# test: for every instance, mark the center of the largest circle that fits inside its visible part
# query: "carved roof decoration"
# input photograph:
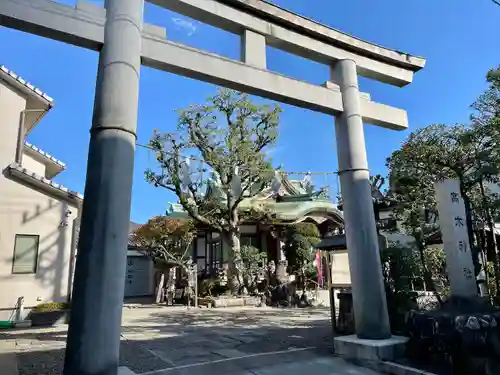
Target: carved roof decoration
(297, 200)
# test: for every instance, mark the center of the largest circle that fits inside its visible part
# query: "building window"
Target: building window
(25, 254)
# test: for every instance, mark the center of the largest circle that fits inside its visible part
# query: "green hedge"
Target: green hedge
(51, 306)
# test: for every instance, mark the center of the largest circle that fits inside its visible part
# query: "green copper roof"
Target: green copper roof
(295, 202)
(290, 212)
(293, 211)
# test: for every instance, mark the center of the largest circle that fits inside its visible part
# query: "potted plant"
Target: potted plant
(49, 314)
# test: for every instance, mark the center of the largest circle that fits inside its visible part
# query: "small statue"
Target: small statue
(271, 267)
(281, 273)
(222, 275)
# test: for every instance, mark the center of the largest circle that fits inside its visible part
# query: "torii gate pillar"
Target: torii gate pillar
(369, 300)
(96, 310)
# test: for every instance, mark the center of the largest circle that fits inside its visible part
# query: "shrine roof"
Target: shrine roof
(289, 212)
(294, 201)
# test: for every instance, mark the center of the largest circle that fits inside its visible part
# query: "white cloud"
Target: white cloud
(186, 25)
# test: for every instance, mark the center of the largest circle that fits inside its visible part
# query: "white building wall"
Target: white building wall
(25, 211)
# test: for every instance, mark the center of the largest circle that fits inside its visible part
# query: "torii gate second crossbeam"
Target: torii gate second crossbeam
(124, 43)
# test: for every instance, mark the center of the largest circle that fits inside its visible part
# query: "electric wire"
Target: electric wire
(194, 158)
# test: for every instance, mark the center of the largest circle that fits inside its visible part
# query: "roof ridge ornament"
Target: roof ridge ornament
(186, 173)
(276, 183)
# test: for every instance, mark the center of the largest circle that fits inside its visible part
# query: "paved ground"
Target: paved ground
(176, 341)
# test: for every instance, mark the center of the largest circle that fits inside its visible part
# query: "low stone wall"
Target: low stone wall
(462, 336)
(235, 301)
(49, 318)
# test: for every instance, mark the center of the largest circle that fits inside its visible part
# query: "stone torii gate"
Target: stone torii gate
(124, 43)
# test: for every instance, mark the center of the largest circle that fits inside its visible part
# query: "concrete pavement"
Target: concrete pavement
(8, 359)
(177, 341)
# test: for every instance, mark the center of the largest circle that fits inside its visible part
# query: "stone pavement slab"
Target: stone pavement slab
(321, 366)
(297, 363)
(125, 371)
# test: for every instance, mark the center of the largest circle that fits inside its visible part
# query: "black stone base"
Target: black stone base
(285, 295)
(462, 336)
(49, 318)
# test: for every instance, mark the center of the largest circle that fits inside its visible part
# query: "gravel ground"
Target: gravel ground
(158, 338)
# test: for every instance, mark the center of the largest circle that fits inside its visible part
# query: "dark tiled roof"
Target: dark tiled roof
(35, 90)
(133, 227)
(45, 181)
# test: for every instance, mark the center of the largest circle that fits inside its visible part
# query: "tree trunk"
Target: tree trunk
(159, 290)
(429, 281)
(481, 240)
(235, 262)
(468, 215)
(421, 244)
(303, 276)
(470, 228)
(493, 241)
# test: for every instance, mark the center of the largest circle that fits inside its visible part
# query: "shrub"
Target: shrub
(404, 274)
(211, 286)
(254, 262)
(400, 267)
(299, 247)
(51, 306)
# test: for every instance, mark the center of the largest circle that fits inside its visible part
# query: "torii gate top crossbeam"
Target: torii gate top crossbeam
(327, 34)
(300, 36)
(83, 26)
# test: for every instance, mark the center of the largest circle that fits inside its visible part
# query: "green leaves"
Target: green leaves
(253, 259)
(165, 240)
(466, 152)
(228, 131)
(299, 242)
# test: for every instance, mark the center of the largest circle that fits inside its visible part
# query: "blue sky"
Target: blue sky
(459, 39)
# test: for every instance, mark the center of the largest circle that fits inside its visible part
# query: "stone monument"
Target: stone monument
(452, 221)
(462, 333)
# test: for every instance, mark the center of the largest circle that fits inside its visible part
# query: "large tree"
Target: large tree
(487, 106)
(468, 153)
(428, 154)
(486, 122)
(434, 152)
(229, 137)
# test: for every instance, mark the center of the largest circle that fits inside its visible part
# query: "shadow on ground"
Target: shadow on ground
(154, 339)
